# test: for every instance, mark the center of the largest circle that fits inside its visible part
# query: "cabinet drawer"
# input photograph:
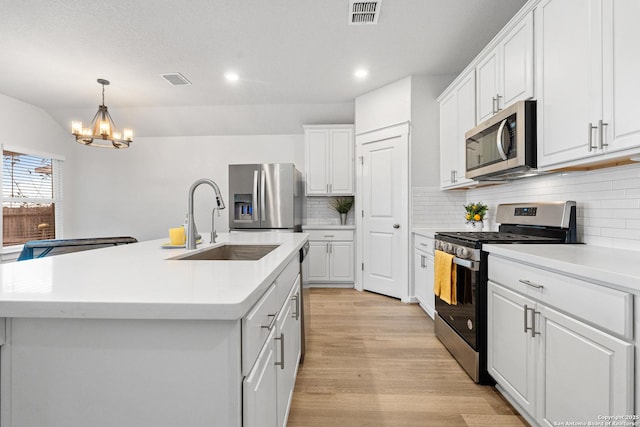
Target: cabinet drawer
(255, 327)
(601, 306)
(286, 280)
(330, 235)
(423, 243)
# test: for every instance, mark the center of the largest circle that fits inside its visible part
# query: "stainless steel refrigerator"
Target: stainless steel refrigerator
(265, 196)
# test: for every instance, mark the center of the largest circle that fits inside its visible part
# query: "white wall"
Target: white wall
(143, 191)
(386, 106)
(425, 129)
(412, 99)
(24, 125)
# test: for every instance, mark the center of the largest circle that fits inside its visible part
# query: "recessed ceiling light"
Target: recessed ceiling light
(361, 73)
(231, 76)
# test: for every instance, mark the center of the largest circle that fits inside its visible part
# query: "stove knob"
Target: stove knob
(464, 253)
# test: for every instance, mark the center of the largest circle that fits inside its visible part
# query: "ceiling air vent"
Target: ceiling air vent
(364, 12)
(176, 79)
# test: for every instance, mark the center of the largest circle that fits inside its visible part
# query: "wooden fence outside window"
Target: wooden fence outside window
(21, 224)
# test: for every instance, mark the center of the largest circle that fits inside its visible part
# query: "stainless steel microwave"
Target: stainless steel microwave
(503, 146)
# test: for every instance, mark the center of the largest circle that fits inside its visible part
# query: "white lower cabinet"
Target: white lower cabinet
(585, 372)
(288, 351)
(511, 355)
(423, 269)
(331, 257)
(268, 387)
(553, 365)
(259, 392)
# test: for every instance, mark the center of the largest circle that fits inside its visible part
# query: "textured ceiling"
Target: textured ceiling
(285, 51)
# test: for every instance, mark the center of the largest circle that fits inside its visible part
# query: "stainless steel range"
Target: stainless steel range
(462, 327)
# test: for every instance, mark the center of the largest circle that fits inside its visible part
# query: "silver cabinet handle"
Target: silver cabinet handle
(328, 235)
(526, 321)
(396, 225)
(533, 285)
(455, 178)
(591, 128)
(498, 96)
(601, 126)
(281, 362)
(271, 324)
(330, 248)
(533, 323)
(493, 105)
(327, 249)
(296, 315)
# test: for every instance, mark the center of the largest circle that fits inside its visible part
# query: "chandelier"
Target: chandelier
(102, 131)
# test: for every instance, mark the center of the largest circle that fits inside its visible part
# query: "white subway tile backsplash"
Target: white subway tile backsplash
(608, 203)
(435, 208)
(318, 211)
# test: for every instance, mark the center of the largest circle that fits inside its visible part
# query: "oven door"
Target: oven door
(462, 317)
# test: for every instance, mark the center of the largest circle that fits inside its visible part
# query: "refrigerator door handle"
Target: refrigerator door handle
(255, 195)
(262, 196)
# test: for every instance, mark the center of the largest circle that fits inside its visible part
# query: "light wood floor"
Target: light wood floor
(374, 361)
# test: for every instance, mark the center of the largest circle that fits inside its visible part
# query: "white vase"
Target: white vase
(475, 225)
(343, 219)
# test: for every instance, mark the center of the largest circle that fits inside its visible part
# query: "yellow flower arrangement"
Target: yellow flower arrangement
(475, 211)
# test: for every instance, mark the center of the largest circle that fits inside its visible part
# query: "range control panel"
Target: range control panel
(532, 211)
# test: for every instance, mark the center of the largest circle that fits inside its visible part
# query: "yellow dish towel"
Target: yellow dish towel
(444, 284)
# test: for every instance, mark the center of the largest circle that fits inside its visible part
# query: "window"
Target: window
(31, 196)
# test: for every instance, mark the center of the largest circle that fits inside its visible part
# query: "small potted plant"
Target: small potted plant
(342, 205)
(475, 215)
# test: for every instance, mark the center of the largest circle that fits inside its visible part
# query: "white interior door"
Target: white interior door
(385, 183)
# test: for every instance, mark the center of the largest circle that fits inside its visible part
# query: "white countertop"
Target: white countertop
(617, 268)
(430, 232)
(137, 281)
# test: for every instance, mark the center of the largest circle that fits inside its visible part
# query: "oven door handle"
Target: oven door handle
(466, 263)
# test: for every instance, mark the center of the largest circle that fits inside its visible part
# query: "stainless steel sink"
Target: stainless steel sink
(230, 253)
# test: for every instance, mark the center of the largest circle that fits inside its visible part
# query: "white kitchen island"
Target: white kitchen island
(124, 336)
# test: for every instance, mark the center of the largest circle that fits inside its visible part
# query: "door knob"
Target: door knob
(396, 225)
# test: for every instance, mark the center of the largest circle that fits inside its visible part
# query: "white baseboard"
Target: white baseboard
(331, 285)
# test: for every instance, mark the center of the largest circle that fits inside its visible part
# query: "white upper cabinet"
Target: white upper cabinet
(329, 160)
(621, 61)
(457, 116)
(587, 88)
(569, 92)
(505, 74)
